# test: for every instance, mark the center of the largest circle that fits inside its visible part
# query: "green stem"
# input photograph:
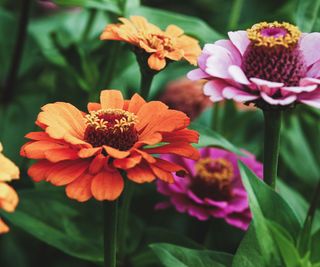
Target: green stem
(123, 221)
(272, 128)
(90, 22)
(10, 82)
(145, 84)
(110, 233)
(215, 124)
(235, 13)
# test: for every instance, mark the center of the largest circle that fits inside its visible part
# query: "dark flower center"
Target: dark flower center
(111, 127)
(213, 179)
(274, 54)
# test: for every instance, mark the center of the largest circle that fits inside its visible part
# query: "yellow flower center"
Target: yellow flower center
(274, 34)
(112, 127)
(215, 171)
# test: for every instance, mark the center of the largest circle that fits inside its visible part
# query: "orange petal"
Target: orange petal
(107, 185)
(65, 172)
(93, 106)
(89, 152)
(3, 227)
(156, 63)
(184, 135)
(60, 154)
(80, 189)
(98, 163)
(181, 149)
(169, 166)
(38, 136)
(150, 139)
(115, 153)
(8, 198)
(162, 174)
(149, 158)
(63, 121)
(8, 170)
(127, 163)
(39, 170)
(136, 103)
(174, 30)
(37, 149)
(141, 174)
(111, 99)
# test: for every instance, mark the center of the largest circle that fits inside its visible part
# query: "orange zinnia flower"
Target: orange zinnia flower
(171, 43)
(86, 152)
(8, 197)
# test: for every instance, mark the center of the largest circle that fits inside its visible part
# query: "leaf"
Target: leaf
(307, 14)
(171, 255)
(60, 222)
(315, 246)
(191, 25)
(285, 244)
(211, 138)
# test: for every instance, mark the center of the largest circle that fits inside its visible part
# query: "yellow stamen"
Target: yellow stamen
(218, 171)
(291, 37)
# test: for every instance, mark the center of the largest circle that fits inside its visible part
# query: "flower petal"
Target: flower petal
(80, 189)
(279, 101)
(111, 99)
(238, 75)
(156, 63)
(309, 45)
(240, 40)
(213, 89)
(141, 174)
(238, 94)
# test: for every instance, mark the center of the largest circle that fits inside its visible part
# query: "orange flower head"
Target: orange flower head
(8, 196)
(170, 44)
(86, 151)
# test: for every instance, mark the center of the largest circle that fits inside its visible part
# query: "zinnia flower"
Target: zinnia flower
(8, 196)
(186, 96)
(271, 64)
(212, 187)
(87, 152)
(170, 44)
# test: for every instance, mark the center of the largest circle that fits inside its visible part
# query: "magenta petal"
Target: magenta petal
(219, 204)
(213, 89)
(314, 71)
(309, 45)
(194, 197)
(163, 205)
(311, 99)
(180, 203)
(299, 89)
(238, 75)
(198, 212)
(238, 95)
(197, 74)
(261, 82)
(238, 221)
(309, 81)
(240, 40)
(280, 101)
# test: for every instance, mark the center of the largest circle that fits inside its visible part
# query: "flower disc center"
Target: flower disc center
(111, 127)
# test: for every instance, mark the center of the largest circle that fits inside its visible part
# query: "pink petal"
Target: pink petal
(198, 212)
(309, 45)
(214, 90)
(240, 40)
(281, 101)
(314, 71)
(310, 99)
(236, 56)
(261, 82)
(218, 204)
(238, 95)
(299, 89)
(238, 75)
(197, 74)
(309, 81)
(194, 197)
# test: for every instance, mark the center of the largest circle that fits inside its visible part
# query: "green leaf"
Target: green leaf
(211, 138)
(50, 216)
(102, 5)
(191, 25)
(171, 255)
(248, 253)
(315, 245)
(307, 14)
(285, 243)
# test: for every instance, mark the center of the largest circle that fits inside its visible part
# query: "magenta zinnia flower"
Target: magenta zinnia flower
(270, 64)
(213, 187)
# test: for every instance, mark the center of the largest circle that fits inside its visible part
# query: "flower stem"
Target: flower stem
(10, 82)
(272, 128)
(123, 220)
(235, 13)
(90, 22)
(215, 123)
(145, 84)
(110, 233)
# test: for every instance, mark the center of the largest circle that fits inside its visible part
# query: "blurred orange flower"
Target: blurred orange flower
(8, 196)
(86, 152)
(171, 43)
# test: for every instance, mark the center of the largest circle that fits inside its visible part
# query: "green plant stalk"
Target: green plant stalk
(110, 209)
(145, 83)
(123, 220)
(89, 25)
(10, 82)
(235, 14)
(272, 128)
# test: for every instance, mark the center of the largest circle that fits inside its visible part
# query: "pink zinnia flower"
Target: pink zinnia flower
(213, 187)
(271, 64)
